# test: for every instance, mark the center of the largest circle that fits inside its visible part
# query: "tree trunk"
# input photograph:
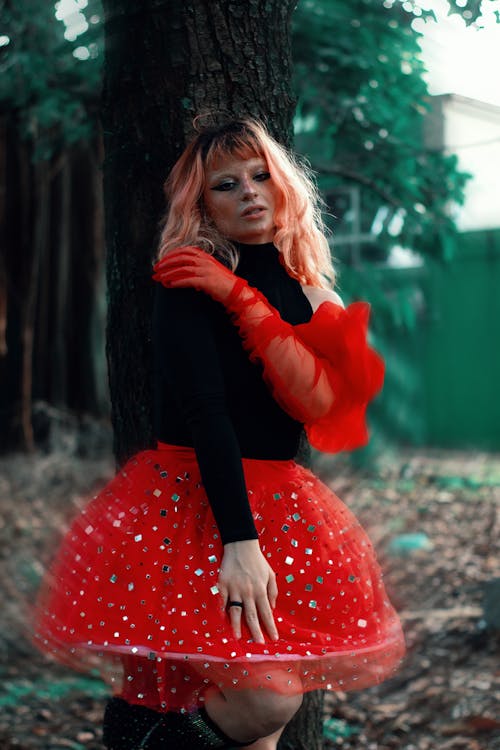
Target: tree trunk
(165, 62)
(60, 290)
(3, 269)
(23, 237)
(88, 391)
(305, 731)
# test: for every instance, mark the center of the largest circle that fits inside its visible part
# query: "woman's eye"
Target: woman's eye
(222, 186)
(261, 176)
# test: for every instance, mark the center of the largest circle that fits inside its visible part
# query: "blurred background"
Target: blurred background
(398, 113)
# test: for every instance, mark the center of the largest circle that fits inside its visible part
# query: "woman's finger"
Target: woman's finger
(272, 590)
(252, 620)
(175, 273)
(235, 615)
(178, 262)
(189, 276)
(188, 253)
(180, 268)
(177, 280)
(180, 257)
(191, 249)
(224, 594)
(267, 617)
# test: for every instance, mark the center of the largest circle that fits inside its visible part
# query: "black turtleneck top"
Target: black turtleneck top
(209, 396)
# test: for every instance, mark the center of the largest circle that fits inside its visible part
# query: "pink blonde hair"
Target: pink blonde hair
(300, 231)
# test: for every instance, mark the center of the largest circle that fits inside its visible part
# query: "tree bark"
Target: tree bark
(305, 731)
(165, 62)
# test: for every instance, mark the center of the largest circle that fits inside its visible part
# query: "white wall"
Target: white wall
(472, 132)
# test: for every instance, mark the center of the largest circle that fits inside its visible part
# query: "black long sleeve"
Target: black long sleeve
(190, 370)
(208, 395)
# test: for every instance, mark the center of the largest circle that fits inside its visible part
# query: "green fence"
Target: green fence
(438, 329)
(461, 367)
(398, 330)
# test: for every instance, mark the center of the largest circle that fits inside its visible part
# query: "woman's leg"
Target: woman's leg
(267, 743)
(248, 714)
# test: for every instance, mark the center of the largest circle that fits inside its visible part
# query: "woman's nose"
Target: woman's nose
(247, 188)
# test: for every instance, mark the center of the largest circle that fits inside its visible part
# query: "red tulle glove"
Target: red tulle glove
(192, 267)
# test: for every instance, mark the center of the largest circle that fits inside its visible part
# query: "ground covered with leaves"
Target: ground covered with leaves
(432, 517)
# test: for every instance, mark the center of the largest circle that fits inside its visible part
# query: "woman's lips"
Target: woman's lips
(253, 213)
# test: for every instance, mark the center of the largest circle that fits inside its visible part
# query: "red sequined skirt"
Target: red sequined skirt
(132, 592)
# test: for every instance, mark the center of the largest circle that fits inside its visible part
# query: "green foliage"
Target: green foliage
(335, 729)
(471, 10)
(14, 692)
(52, 93)
(348, 89)
(360, 117)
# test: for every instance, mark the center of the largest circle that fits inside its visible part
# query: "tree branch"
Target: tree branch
(361, 180)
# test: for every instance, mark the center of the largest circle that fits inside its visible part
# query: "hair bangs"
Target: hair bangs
(242, 145)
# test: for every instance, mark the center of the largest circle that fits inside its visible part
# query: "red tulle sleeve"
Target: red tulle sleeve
(323, 373)
(355, 371)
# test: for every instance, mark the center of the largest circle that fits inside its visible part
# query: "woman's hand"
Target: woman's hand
(192, 267)
(245, 576)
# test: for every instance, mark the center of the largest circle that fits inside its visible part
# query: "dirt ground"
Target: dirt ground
(432, 517)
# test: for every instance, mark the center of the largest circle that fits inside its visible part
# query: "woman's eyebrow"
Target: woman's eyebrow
(259, 164)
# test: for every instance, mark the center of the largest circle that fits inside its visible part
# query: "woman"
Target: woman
(221, 577)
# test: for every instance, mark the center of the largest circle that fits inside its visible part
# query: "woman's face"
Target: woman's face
(240, 198)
